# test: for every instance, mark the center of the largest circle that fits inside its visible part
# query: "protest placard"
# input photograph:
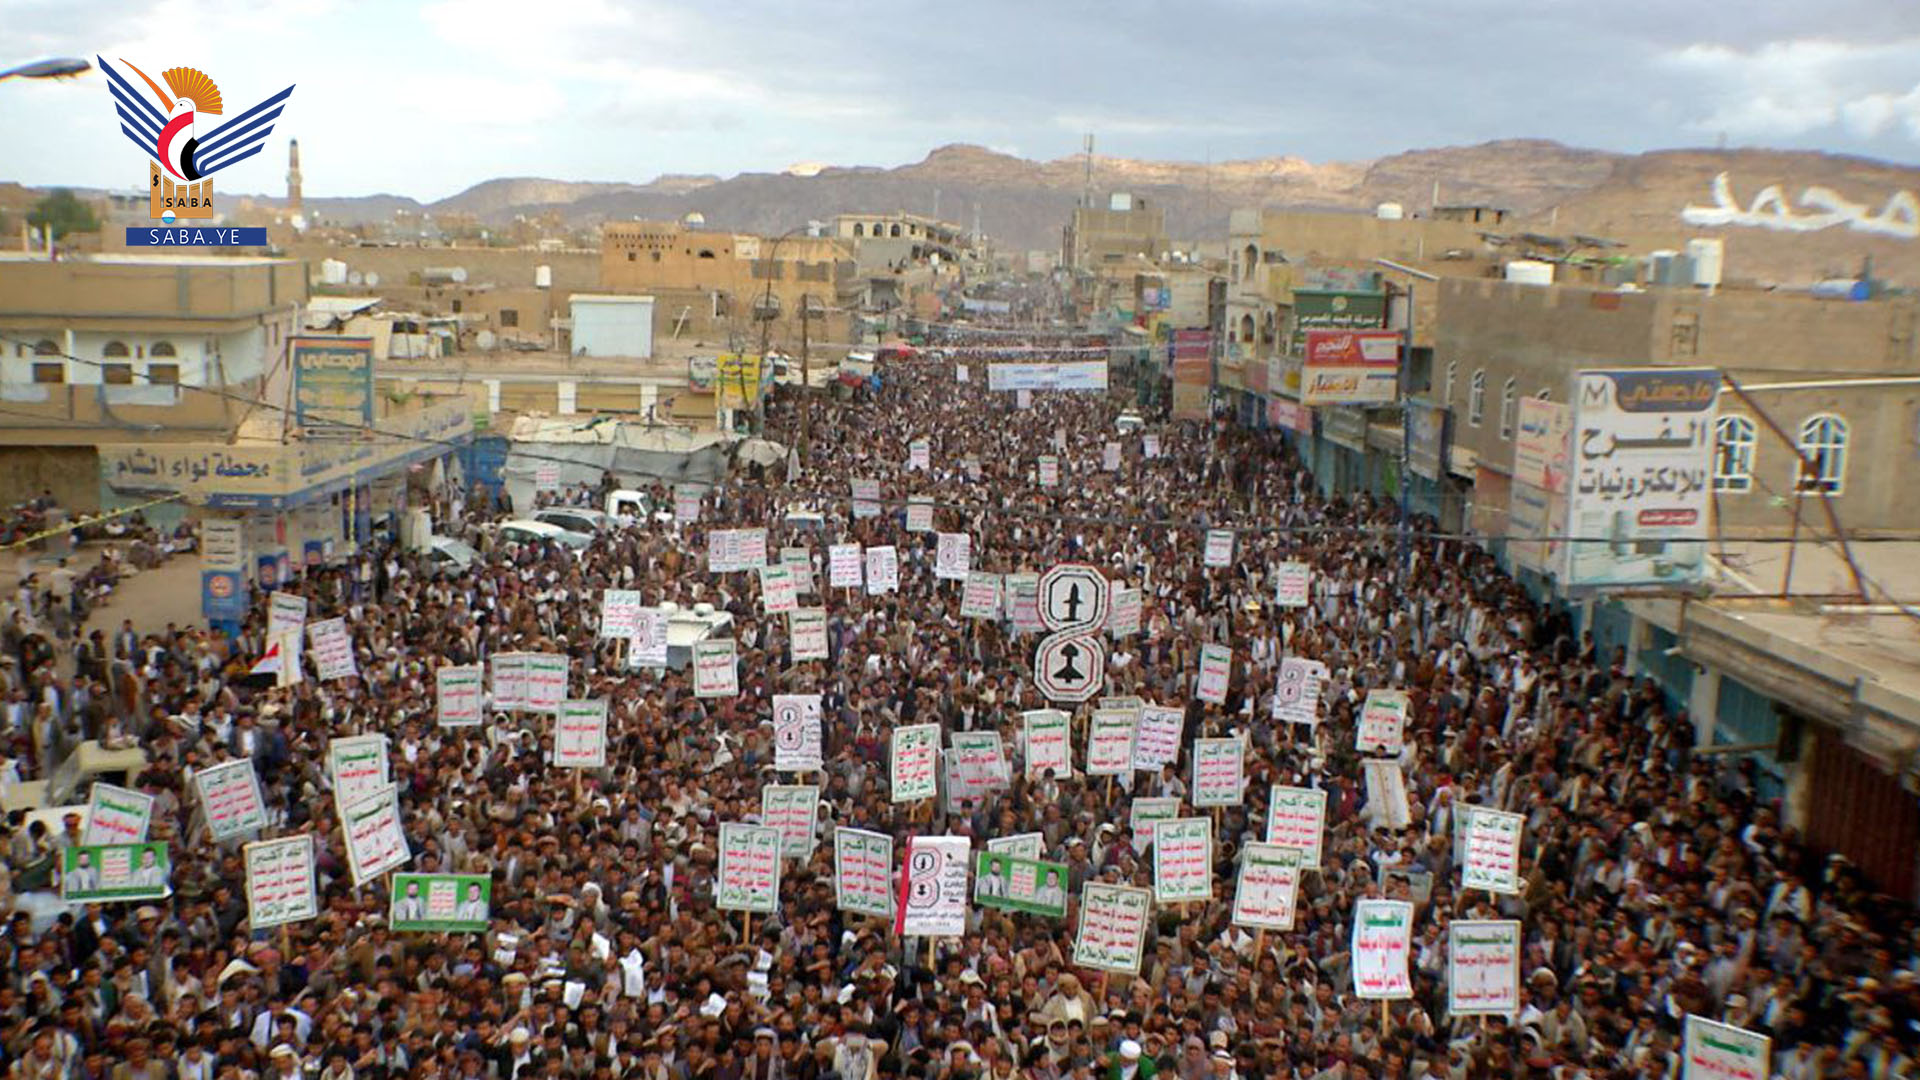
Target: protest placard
(919, 514)
(1183, 860)
(1123, 612)
(779, 593)
(1219, 772)
(648, 646)
(844, 562)
(980, 598)
(1047, 746)
(1267, 887)
(1383, 723)
(1483, 968)
(1716, 1051)
(1113, 927)
(883, 570)
(580, 735)
(458, 695)
(547, 675)
(1292, 585)
(1296, 693)
(1490, 843)
(1386, 793)
(1150, 445)
(866, 498)
(509, 674)
(799, 563)
(105, 873)
(953, 556)
(1049, 471)
(1382, 941)
(1216, 673)
(863, 872)
(748, 878)
(976, 764)
(1147, 812)
(357, 764)
(716, 668)
(1110, 457)
(915, 757)
(230, 798)
(286, 613)
(1025, 845)
(933, 887)
(1028, 886)
(686, 504)
(1219, 550)
(440, 903)
(919, 454)
(280, 885)
(375, 842)
(796, 732)
(1023, 603)
(332, 648)
(116, 815)
(1297, 818)
(807, 627)
(793, 809)
(619, 608)
(1110, 742)
(1157, 741)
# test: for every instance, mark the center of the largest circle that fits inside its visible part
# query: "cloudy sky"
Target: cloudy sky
(424, 97)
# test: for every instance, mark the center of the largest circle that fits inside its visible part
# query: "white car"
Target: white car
(578, 519)
(1127, 423)
(450, 553)
(529, 531)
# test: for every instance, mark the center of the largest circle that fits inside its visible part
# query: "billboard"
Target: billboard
(1334, 309)
(1350, 367)
(332, 384)
(1427, 428)
(1192, 374)
(1537, 507)
(1640, 491)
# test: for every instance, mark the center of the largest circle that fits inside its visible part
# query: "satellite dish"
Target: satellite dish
(372, 279)
(353, 277)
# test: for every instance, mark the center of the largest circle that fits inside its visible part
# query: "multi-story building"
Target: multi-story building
(883, 243)
(1124, 230)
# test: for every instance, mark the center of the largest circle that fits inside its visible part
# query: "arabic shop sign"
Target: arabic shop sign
(332, 384)
(1640, 492)
(275, 475)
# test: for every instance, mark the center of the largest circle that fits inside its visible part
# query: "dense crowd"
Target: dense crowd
(1656, 883)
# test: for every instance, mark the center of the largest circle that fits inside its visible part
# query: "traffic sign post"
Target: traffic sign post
(1071, 662)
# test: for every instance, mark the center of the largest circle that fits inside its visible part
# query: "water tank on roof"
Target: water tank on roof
(483, 341)
(1530, 272)
(373, 279)
(1390, 211)
(444, 275)
(1841, 289)
(354, 278)
(694, 219)
(543, 277)
(332, 272)
(1709, 257)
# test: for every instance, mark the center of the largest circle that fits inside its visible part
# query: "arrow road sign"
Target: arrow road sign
(1073, 596)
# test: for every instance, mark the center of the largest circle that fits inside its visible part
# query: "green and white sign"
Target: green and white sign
(1718, 1051)
(109, 872)
(1113, 927)
(1029, 886)
(116, 815)
(441, 903)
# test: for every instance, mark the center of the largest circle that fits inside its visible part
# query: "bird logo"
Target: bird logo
(170, 133)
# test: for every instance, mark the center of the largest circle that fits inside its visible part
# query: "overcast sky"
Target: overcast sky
(424, 97)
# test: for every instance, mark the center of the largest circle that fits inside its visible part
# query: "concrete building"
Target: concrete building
(1126, 228)
(882, 243)
(132, 349)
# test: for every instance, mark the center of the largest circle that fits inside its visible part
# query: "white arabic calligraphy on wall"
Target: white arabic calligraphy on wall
(1824, 208)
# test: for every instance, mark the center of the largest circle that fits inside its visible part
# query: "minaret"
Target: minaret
(293, 174)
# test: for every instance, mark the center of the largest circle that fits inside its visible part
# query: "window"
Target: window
(509, 317)
(706, 253)
(1509, 407)
(895, 232)
(54, 372)
(114, 350)
(456, 307)
(859, 230)
(1823, 452)
(1266, 328)
(161, 348)
(810, 271)
(163, 374)
(630, 256)
(43, 347)
(1477, 397)
(116, 374)
(1453, 372)
(1545, 394)
(1246, 328)
(763, 270)
(1734, 439)
(1249, 258)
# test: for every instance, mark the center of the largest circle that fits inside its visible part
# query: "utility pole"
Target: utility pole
(806, 379)
(1406, 407)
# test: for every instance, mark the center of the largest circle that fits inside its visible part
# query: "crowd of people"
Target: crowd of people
(1656, 884)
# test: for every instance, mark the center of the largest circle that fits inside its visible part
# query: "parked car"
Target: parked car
(529, 531)
(450, 554)
(578, 519)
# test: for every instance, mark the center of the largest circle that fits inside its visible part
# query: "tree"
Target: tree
(64, 213)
